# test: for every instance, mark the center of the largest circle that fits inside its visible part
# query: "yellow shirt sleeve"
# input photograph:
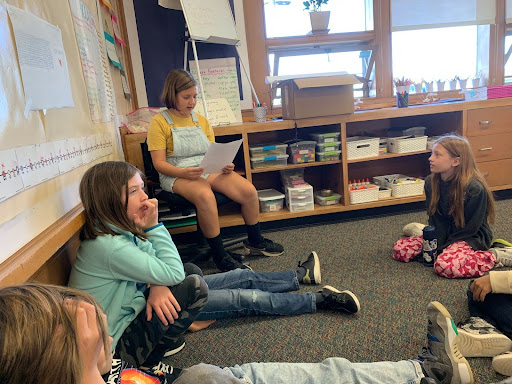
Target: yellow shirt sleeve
(159, 135)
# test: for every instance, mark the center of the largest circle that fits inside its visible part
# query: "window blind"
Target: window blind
(420, 14)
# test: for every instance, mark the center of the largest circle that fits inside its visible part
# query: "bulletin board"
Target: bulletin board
(28, 213)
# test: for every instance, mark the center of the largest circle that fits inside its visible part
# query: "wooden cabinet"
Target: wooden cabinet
(485, 123)
(490, 134)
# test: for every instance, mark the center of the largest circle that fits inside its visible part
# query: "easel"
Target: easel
(230, 38)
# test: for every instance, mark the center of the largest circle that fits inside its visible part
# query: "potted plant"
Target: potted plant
(429, 85)
(440, 84)
(418, 86)
(453, 82)
(319, 19)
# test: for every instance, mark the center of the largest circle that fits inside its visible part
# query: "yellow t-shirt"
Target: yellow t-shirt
(160, 135)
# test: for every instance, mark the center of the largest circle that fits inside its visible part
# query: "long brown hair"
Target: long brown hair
(102, 189)
(176, 81)
(458, 146)
(38, 333)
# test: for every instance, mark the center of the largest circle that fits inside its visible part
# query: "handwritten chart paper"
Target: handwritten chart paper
(219, 112)
(44, 69)
(69, 154)
(10, 177)
(37, 163)
(94, 64)
(220, 80)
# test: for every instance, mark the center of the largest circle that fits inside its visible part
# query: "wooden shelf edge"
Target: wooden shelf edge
(388, 156)
(292, 166)
(25, 262)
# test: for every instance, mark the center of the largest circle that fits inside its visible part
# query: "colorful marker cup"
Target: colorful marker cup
(402, 100)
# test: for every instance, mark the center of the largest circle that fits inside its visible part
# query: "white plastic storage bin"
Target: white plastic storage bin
(299, 198)
(328, 137)
(269, 161)
(333, 198)
(405, 144)
(268, 149)
(358, 196)
(328, 156)
(401, 185)
(302, 151)
(270, 200)
(359, 147)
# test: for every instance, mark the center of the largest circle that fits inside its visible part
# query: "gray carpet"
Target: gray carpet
(355, 255)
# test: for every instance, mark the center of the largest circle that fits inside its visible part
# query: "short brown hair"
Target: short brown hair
(39, 334)
(176, 81)
(101, 192)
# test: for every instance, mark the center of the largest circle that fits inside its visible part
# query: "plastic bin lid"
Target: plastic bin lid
(326, 134)
(328, 153)
(269, 194)
(329, 144)
(300, 142)
(268, 146)
(269, 158)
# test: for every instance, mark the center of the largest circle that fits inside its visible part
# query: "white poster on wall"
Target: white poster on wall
(220, 80)
(10, 177)
(42, 60)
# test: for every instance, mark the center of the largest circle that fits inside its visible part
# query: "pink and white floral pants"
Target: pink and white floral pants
(456, 260)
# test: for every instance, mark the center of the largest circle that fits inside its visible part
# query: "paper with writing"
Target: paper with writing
(219, 155)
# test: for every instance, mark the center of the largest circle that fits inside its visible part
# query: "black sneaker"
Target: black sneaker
(265, 248)
(441, 359)
(175, 347)
(227, 263)
(312, 267)
(478, 338)
(338, 300)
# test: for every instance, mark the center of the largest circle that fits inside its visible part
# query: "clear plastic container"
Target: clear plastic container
(268, 149)
(302, 151)
(270, 200)
(333, 198)
(302, 206)
(269, 161)
(328, 156)
(303, 194)
(330, 146)
(327, 137)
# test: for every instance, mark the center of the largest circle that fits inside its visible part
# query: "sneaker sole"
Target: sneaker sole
(348, 293)
(461, 369)
(260, 252)
(471, 345)
(174, 351)
(503, 364)
(317, 274)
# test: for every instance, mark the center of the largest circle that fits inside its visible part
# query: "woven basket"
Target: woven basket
(405, 144)
(359, 147)
(359, 196)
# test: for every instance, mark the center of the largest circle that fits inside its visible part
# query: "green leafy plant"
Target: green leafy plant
(314, 5)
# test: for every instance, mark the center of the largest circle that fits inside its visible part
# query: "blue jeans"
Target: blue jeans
(333, 370)
(243, 292)
(495, 309)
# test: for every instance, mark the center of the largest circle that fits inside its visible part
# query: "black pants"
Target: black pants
(144, 343)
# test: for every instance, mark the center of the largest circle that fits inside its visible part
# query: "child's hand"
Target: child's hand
(163, 302)
(90, 340)
(228, 169)
(150, 217)
(191, 173)
(481, 287)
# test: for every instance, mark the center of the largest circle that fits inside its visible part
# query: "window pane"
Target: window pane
(508, 64)
(288, 18)
(353, 62)
(435, 54)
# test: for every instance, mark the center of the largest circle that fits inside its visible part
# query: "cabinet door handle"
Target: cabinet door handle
(485, 122)
(486, 149)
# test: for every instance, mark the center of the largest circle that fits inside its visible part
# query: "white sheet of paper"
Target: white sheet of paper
(42, 59)
(219, 155)
(10, 177)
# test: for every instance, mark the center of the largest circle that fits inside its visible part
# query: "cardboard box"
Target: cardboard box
(317, 96)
